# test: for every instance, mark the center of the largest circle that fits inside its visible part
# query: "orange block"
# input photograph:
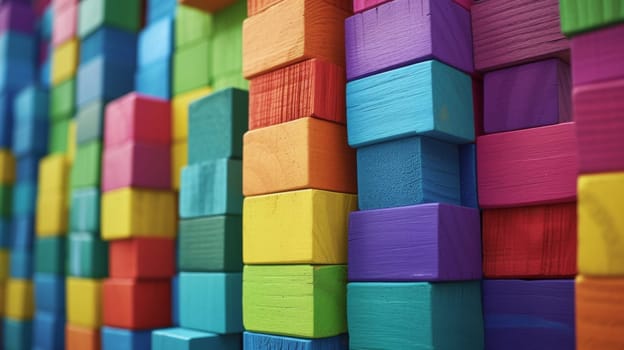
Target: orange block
(142, 258)
(208, 5)
(256, 6)
(302, 154)
(599, 313)
(81, 338)
(137, 304)
(291, 31)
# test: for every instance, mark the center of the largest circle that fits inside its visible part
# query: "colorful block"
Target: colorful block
(154, 79)
(187, 339)
(180, 108)
(19, 299)
(53, 170)
(210, 244)
(27, 169)
(89, 122)
(31, 103)
(123, 339)
(17, 16)
(103, 79)
(157, 9)
(179, 159)
(156, 42)
(192, 67)
(22, 198)
(175, 300)
(30, 137)
(62, 100)
(468, 175)
(48, 332)
(212, 6)
(141, 165)
(50, 294)
(4, 265)
(81, 338)
(6, 197)
(579, 16)
(121, 14)
(21, 263)
(65, 23)
(115, 45)
(16, 74)
(84, 214)
(142, 258)
(136, 304)
(596, 56)
(361, 5)
(7, 167)
(50, 255)
(65, 61)
(598, 313)
(257, 341)
(52, 213)
(86, 168)
(256, 6)
(58, 136)
(191, 25)
(83, 303)
(227, 46)
(23, 232)
(87, 255)
(5, 233)
(17, 334)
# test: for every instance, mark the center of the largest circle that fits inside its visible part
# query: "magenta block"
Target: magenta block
(598, 56)
(65, 24)
(136, 165)
(17, 17)
(465, 3)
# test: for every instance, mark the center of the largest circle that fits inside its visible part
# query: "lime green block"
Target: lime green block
(86, 169)
(235, 80)
(57, 142)
(50, 255)
(579, 16)
(192, 67)
(88, 255)
(6, 198)
(62, 100)
(120, 14)
(227, 46)
(311, 302)
(191, 26)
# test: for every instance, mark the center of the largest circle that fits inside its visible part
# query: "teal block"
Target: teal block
(211, 243)
(187, 339)
(217, 123)
(24, 198)
(441, 316)
(21, 264)
(89, 122)
(30, 103)
(17, 334)
(85, 210)
(88, 255)
(211, 302)
(50, 255)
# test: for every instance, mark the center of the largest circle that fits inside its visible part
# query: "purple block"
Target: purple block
(598, 56)
(17, 17)
(426, 242)
(534, 315)
(527, 96)
(403, 32)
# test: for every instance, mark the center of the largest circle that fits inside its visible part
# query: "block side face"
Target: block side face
(330, 300)
(596, 56)
(192, 67)
(595, 299)
(440, 172)
(88, 256)
(210, 244)
(459, 243)
(451, 30)
(330, 226)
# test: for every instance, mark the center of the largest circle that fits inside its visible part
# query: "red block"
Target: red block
(137, 118)
(363, 5)
(137, 304)
(65, 24)
(136, 165)
(530, 242)
(141, 258)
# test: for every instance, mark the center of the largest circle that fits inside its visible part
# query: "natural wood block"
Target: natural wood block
(82, 338)
(140, 258)
(62, 98)
(530, 242)
(131, 212)
(191, 25)
(87, 166)
(256, 6)
(52, 213)
(306, 226)
(528, 167)
(208, 6)
(53, 173)
(361, 5)
(19, 299)
(84, 213)
(7, 167)
(578, 16)
(65, 61)
(179, 159)
(311, 303)
(83, 300)
(596, 56)
(305, 153)
(258, 341)
(136, 304)
(192, 67)
(180, 109)
(65, 24)
(125, 339)
(188, 339)
(599, 314)
(135, 164)
(312, 88)
(121, 14)
(211, 243)
(87, 255)
(316, 30)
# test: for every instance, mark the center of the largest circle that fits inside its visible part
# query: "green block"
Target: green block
(86, 169)
(6, 198)
(89, 122)
(227, 44)
(579, 16)
(57, 142)
(217, 123)
(192, 68)
(295, 300)
(210, 244)
(88, 255)
(120, 14)
(191, 25)
(234, 80)
(84, 213)
(62, 100)
(50, 255)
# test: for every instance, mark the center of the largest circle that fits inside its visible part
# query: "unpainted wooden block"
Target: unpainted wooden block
(65, 61)
(578, 16)
(87, 255)
(188, 339)
(139, 258)
(599, 313)
(256, 6)
(258, 341)
(134, 164)
(211, 243)
(596, 56)
(180, 109)
(83, 302)
(19, 299)
(52, 213)
(136, 304)
(53, 173)
(179, 159)
(7, 167)
(82, 338)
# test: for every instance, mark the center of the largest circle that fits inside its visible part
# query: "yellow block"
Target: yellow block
(84, 302)
(601, 224)
(19, 299)
(130, 212)
(2, 297)
(179, 159)
(4, 264)
(64, 61)
(71, 142)
(7, 167)
(53, 173)
(52, 211)
(179, 106)
(299, 227)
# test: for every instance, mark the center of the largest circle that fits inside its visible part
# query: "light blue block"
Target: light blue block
(28, 169)
(6, 119)
(30, 103)
(257, 341)
(21, 264)
(50, 293)
(5, 233)
(427, 99)
(155, 79)
(468, 169)
(156, 42)
(103, 79)
(175, 299)
(211, 302)
(408, 171)
(24, 198)
(30, 137)
(16, 47)
(117, 46)
(85, 210)
(157, 9)
(187, 339)
(23, 231)
(390, 316)
(49, 331)
(124, 339)
(17, 334)
(45, 23)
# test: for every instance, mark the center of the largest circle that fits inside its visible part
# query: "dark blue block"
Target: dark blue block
(114, 45)
(16, 74)
(175, 299)
(156, 42)
(30, 137)
(6, 119)
(5, 233)
(24, 198)
(468, 169)
(23, 232)
(44, 74)
(17, 334)
(154, 79)
(257, 341)
(157, 9)
(28, 169)
(49, 331)
(21, 264)
(16, 47)
(30, 103)
(124, 339)
(103, 79)
(50, 293)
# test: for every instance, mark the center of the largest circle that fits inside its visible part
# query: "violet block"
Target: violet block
(427, 242)
(18, 17)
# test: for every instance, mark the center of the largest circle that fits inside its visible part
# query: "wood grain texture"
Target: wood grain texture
(142, 258)
(599, 316)
(521, 314)
(468, 175)
(315, 30)
(428, 242)
(579, 16)
(136, 303)
(312, 88)
(302, 154)
(136, 164)
(362, 5)
(188, 339)
(210, 244)
(256, 6)
(597, 56)
(87, 255)
(258, 341)
(526, 96)
(427, 98)
(509, 32)
(295, 300)
(208, 6)
(83, 300)
(528, 167)
(82, 338)
(530, 242)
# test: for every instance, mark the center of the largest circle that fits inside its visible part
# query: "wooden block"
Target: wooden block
(528, 167)
(311, 301)
(6, 118)
(179, 159)
(521, 314)
(85, 210)
(156, 42)
(468, 175)
(50, 255)
(16, 74)
(142, 258)
(18, 17)
(361, 5)
(83, 302)
(21, 264)
(27, 169)
(49, 293)
(598, 313)
(6, 196)
(596, 56)
(154, 79)
(87, 255)
(303, 38)
(122, 14)
(191, 26)
(175, 300)
(81, 338)
(30, 137)
(527, 96)
(507, 33)
(123, 339)
(23, 232)
(211, 188)
(51, 215)
(62, 100)
(257, 341)
(211, 302)
(578, 16)
(137, 118)
(428, 98)
(65, 24)
(17, 334)
(57, 5)
(157, 9)
(428, 242)
(86, 168)
(227, 46)
(419, 315)
(130, 213)
(103, 79)
(5, 233)
(53, 173)
(467, 4)
(116, 45)
(89, 122)
(311, 88)
(530, 242)
(179, 111)
(211, 6)
(48, 332)
(7, 167)
(65, 61)
(217, 123)
(57, 139)
(210, 244)
(305, 153)
(71, 142)
(31, 103)
(188, 339)
(4, 265)
(192, 67)
(140, 165)
(136, 304)
(256, 6)
(19, 299)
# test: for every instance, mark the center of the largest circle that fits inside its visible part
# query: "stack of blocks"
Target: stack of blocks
(298, 176)
(527, 164)
(596, 29)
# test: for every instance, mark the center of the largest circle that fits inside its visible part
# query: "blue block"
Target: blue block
(17, 334)
(6, 119)
(23, 232)
(45, 74)
(21, 264)
(468, 170)
(211, 302)
(24, 198)
(45, 23)
(425, 99)
(175, 299)
(103, 79)
(5, 233)
(28, 169)
(409, 171)
(257, 341)
(16, 74)
(49, 331)
(50, 293)
(16, 47)
(187, 339)
(156, 42)
(124, 339)
(157, 9)
(117, 46)
(30, 137)
(155, 79)
(30, 103)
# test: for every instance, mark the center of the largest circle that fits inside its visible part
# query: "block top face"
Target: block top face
(156, 42)
(17, 17)
(115, 44)
(186, 339)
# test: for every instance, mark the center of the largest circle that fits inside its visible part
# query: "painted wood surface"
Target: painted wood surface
(142, 258)
(256, 6)
(156, 42)
(31, 103)
(62, 100)
(89, 122)
(135, 303)
(598, 313)
(528, 167)
(597, 56)
(123, 339)
(179, 112)
(82, 338)
(188, 339)
(258, 341)
(154, 79)
(21, 264)
(208, 6)
(86, 169)
(192, 25)
(50, 255)
(94, 14)
(7, 167)
(579, 16)
(467, 4)
(51, 214)
(65, 61)
(48, 331)
(179, 159)
(192, 67)
(84, 215)
(83, 300)
(15, 16)
(301, 154)
(54, 171)
(30, 137)
(103, 79)
(427, 98)
(49, 293)
(17, 334)
(64, 25)
(117, 46)
(468, 175)
(227, 47)
(23, 230)
(306, 226)
(361, 5)
(210, 244)
(87, 255)
(19, 299)
(135, 164)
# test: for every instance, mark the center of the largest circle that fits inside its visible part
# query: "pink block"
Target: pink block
(137, 118)
(136, 165)
(65, 23)
(58, 5)
(527, 167)
(598, 56)
(465, 3)
(361, 5)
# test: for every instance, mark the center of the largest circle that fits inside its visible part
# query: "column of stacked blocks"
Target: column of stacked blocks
(527, 164)
(595, 30)
(298, 176)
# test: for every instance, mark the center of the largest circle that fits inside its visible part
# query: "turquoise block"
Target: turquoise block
(49, 293)
(257, 341)
(23, 227)
(24, 198)
(103, 79)
(30, 137)
(211, 302)
(125, 339)
(187, 339)
(156, 42)
(89, 122)
(50, 255)
(157, 9)
(5, 233)
(45, 23)
(408, 171)
(88, 255)
(425, 99)
(17, 334)
(115, 45)
(28, 169)
(154, 79)
(49, 331)
(210, 244)
(21, 264)
(45, 75)
(468, 168)
(211, 188)
(85, 210)
(441, 316)
(30, 103)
